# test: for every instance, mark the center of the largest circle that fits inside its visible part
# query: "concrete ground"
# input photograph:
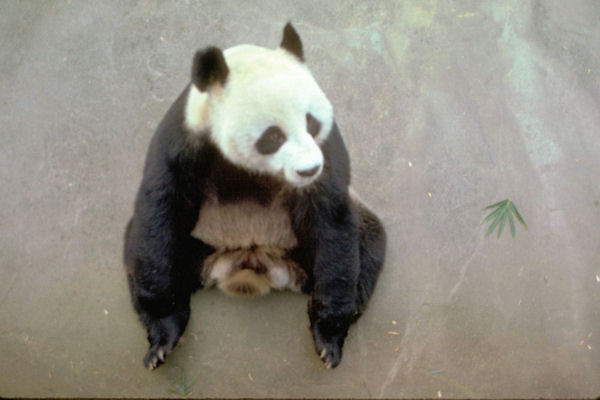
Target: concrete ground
(446, 107)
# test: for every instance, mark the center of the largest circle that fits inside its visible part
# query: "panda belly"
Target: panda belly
(251, 243)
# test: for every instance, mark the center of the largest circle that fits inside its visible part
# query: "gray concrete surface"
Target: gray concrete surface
(446, 107)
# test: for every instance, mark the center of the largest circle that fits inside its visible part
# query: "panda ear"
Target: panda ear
(291, 42)
(209, 68)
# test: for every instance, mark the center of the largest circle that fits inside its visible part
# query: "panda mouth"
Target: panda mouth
(303, 178)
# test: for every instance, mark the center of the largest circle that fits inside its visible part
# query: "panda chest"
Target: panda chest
(245, 224)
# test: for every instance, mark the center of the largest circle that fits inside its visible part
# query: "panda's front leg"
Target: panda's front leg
(162, 259)
(332, 306)
(161, 287)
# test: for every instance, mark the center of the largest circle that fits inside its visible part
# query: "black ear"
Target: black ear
(209, 68)
(291, 41)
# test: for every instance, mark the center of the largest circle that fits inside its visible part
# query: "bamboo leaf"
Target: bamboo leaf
(503, 217)
(497, 204)
(513, 231)
(183, 388)
(492, 215)
(503, 210)
(514, 209)
(491, 228)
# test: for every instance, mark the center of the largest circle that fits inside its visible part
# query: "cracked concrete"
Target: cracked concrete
(445, 109)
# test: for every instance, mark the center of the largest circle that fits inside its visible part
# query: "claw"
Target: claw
(323, 354)
(152, 365)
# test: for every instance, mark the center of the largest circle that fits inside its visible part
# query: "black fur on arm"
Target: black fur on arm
(159, 251)
(326, 223)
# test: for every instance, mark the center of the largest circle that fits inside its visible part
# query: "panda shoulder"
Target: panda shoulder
(174, 142)
(337, 159)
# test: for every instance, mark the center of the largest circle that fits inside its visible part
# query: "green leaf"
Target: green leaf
(492, 215)
(503, 217)
(491, 228)
(518, 215)
(497, 204)
(504, 210)
(182, 388)
(513, 231)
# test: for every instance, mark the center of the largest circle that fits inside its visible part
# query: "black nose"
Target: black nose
(307, 173)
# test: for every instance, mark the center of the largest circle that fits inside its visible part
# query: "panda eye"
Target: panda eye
(270, 141)
(312, 125)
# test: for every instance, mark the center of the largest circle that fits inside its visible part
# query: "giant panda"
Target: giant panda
(246, 187)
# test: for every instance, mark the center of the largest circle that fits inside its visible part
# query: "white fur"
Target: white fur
(221, 268)
(196, 109)
(264, 88)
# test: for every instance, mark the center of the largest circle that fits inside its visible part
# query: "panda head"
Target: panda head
(262, 108)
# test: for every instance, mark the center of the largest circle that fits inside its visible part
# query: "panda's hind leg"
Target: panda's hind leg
(329, 333)
(372, 254)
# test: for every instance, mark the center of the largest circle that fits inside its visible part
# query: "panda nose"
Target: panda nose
(307, 173)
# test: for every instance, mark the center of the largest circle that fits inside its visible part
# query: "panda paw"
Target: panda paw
(163, 335)
(156, 355)
(328, 349)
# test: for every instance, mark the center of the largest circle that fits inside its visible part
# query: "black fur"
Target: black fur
(291, 42)
(209, 68)
(313, 126)
(341, 244)
(270, 141)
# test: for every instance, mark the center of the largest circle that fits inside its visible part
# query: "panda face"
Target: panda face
(268, 116)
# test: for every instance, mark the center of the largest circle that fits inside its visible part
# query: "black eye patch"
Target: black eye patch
(313, 126)
(270, 141)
